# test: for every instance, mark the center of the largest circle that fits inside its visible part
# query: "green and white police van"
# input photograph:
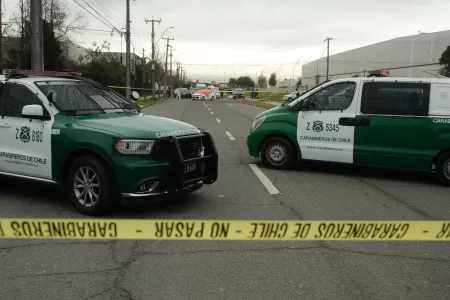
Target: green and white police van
(401, 123)
(96, 144)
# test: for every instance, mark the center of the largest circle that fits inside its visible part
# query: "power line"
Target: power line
(106, 20)
(109, 26)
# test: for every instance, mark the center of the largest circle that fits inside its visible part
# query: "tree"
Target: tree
(57, 27)
(232, 82)
(273, 80)
(262, 81)
(245, 81)
(444, 61)
(299, 83)
(100, 65)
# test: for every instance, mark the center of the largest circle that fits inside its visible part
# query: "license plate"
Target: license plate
(190, 168)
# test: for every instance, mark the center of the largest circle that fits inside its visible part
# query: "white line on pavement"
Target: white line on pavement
(230, 136)
(211, 112)
(218, 120)
(209, 109)
(264, 180)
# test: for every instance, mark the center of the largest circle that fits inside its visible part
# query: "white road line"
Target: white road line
(218, 120)
(211, 112)
(230, 136)
(264, 180)
(209, 109)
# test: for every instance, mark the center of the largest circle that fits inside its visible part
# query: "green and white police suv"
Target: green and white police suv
(95, 144)
(401, 123)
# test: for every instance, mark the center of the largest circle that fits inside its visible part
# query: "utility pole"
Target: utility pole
(170, 72)
(328, 56)
(153, 54)
(1, 38)
(37, 51)
(128, 62)
(168, 39)
(143, 67)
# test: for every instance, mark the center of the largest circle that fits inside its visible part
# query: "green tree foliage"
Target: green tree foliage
(445, 62)
(262, 81)
(100, 65)
(245, 81)
(232, 82)
(299, 83)
(273, 79)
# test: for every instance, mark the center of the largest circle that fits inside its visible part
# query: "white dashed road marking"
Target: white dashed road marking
(218, 120)
(264, 180)
(230, 136)
(211, 112)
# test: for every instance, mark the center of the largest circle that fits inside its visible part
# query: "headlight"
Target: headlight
(135, 147)
(257, 123)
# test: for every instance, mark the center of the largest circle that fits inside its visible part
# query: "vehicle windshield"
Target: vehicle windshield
(78, 98)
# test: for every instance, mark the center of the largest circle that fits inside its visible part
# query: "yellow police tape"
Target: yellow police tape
(224, 230)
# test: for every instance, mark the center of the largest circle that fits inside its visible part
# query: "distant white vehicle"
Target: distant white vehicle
(197, 96)
(292, 96)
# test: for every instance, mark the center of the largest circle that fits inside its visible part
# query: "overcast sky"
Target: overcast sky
(217, 39)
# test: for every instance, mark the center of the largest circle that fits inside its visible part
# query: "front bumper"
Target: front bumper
(177, 182)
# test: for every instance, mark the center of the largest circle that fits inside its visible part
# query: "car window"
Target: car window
(338, 96)
(390, 98)
(15, 97)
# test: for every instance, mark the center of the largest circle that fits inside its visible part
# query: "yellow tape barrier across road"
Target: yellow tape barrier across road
(249, 230)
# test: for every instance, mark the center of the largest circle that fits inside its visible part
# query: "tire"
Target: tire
(443, 169)
(203, 98)
(289, 99)
(102, 185)
(278, 145)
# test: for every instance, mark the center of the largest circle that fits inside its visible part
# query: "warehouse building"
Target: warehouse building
(410, 56)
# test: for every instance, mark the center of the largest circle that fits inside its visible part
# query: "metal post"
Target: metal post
(328, 56)
(128, 62)
(37, 53)
(153, 63)
(143, 67)
(167, 56)
(1, 38)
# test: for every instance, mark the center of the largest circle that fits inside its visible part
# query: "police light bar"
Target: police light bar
(38, 73)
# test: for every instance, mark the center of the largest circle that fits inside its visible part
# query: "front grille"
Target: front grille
(190, 148)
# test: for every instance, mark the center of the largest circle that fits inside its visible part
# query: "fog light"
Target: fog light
(148, 186)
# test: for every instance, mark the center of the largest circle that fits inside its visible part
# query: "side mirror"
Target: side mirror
(134, 95)
(34, 111)
(51, 96)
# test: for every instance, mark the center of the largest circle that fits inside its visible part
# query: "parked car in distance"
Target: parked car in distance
(238, 93)
(291, 96)
(182, 93)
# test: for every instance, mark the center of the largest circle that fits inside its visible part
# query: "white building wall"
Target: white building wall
(421, 49)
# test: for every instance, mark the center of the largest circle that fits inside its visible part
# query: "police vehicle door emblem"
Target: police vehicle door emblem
(25, 134)
(318, 126)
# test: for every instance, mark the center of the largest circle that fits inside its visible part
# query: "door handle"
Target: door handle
(354, 122)
(5, 125)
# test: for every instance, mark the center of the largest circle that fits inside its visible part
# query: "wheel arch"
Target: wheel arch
(280, 135)
(79, 152)
(437, 156)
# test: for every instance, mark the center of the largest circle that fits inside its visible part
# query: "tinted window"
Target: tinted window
(400, 99)
(15, 97)
(80, 98)
(334, 97)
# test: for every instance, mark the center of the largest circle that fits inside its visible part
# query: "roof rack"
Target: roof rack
(25, 73)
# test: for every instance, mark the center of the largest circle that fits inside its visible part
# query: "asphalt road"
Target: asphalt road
(238, 270)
